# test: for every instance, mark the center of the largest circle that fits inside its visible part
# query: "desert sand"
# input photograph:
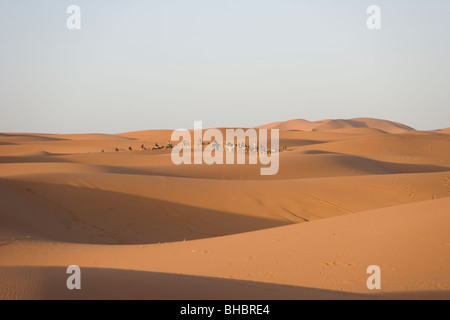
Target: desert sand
(349, 194)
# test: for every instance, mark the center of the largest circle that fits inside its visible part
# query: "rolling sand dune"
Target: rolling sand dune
(417, 147)
(386, 126)
(445, 131)
(349, 194)
(291, 125)
(160, 209)
(324, 125)
(116, 284)
(410, 243)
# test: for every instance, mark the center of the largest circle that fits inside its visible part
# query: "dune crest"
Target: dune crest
(324, 125)
(348, 194)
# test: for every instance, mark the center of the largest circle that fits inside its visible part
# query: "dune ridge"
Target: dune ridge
(322, 250)
(324, 125)
(349, 194)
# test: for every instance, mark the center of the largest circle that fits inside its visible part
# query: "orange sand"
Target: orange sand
(349, 194)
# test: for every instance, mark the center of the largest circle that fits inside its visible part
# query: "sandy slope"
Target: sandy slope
(160, 209)
(445, 131)
(304, 125)
(226, 231)
(410, 243)
(412, 148)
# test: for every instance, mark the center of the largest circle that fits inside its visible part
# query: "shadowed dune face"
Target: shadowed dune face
(44, 283)
(299, 165)
(161, 209)
(366, 155)
(54, 212)
(135, 217)
(410, 244)
(114, 284)
(416, 147)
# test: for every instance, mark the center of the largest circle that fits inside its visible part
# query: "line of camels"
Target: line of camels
(241, 147)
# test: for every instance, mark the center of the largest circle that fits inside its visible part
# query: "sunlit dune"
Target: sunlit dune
(323, 125)
(348, 194)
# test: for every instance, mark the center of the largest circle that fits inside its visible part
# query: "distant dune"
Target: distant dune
(349, 194)
(324, 125)
(446, 131)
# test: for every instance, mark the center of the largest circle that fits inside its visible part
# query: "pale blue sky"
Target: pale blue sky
(145, 64)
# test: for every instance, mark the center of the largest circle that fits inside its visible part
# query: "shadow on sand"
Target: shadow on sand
(50, 283)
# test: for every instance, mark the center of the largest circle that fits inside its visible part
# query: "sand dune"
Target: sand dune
(325, 125)
(349, 193)
(159, 209)
(291, 125)
(293, 165)
(445, 131)
(116, 284)
(386, 126)
(417, 147)
(410, 244)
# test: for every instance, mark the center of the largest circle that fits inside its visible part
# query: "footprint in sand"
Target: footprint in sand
(447, 183)
(410, 193)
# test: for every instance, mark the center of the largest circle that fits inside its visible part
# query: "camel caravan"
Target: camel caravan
(229, 147)
(212, 147)
(169, 145)
(238, 147)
